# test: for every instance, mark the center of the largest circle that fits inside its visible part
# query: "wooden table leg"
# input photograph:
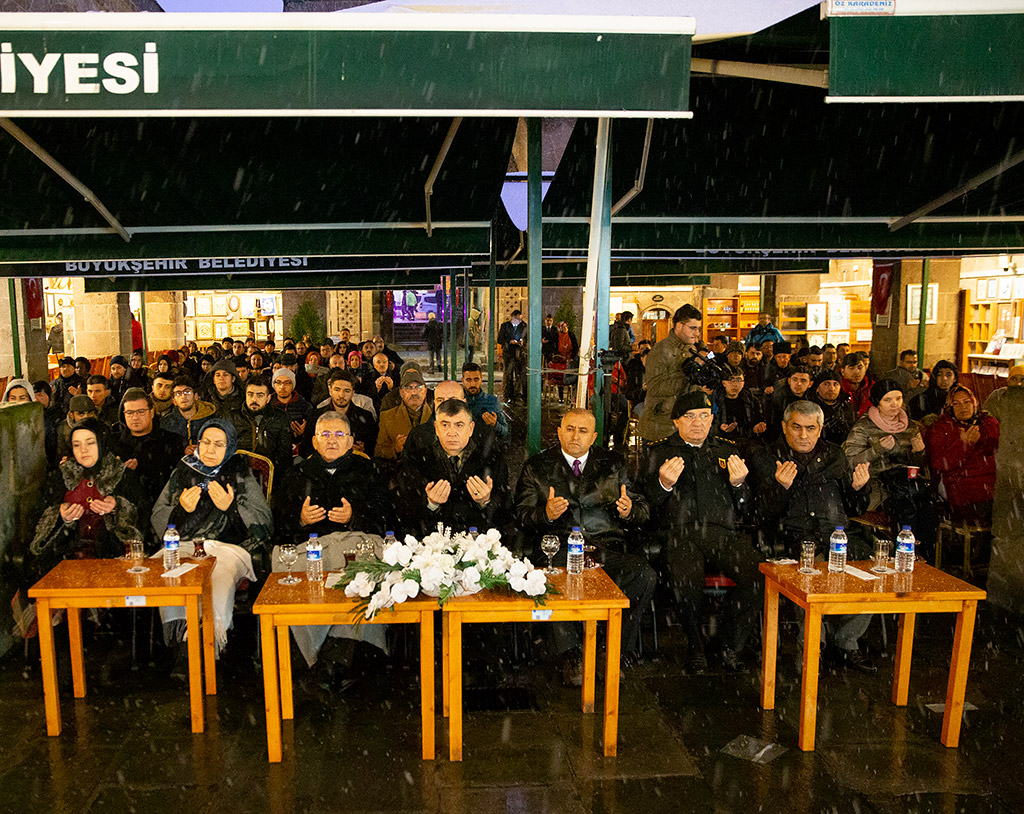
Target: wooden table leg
(48, 658)
(195, 671)
(445, 678)
(589, 663)
(284, 657)
(427, 682)
(271, 698)
(611, 683)
(770, 645)
(77, 654)
(809, 691)
(904, 648)
(958, 667)
(455, 685)
(209, 638)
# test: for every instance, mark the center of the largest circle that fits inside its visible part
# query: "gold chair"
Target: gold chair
(961, 528)
(263, 468)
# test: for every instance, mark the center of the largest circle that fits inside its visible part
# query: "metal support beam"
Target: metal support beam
(453, 334)
(638, 185)
(921, 325)
(492, 310)
(535, 276)
(465, 321)
(443, 310)
(960, 191)
(12, 294)
(36, 149)
(598, 203)
(428, 187)
(811, 77)
(604, 277)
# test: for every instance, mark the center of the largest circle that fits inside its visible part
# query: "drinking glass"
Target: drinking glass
(135, 554)
(288, 554)
(883, 549)
(365, 549)
(550, 544)
(589, 562)
(200, 548)
(807, 558)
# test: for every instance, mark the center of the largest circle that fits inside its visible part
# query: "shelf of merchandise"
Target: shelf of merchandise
(860, 320)
(792, 321)
(732, 316)
(978, 322)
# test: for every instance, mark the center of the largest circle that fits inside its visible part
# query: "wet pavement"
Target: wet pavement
(127, 746)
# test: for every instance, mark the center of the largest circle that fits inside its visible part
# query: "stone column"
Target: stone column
(165, 323)
(368, 321)
(102, 323)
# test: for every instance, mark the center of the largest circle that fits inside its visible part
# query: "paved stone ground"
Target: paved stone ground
(127, 746)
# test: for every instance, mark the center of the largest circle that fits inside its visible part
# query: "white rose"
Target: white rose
(535, 583)
(410, 540)
(399, 592)
(518, 569)
(412, 587)
(517, 584)
(390, 555)
(362, 585)
(493, 535)
(430, 578)
(471, 578)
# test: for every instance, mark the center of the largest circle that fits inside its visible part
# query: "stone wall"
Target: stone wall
(165, 327)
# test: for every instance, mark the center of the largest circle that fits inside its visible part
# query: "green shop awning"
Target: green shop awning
(946, 58)
(343, 64)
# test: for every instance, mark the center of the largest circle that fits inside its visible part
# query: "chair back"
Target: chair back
(263, 468)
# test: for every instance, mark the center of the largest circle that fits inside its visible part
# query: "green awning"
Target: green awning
(965, 57)
(344, 65)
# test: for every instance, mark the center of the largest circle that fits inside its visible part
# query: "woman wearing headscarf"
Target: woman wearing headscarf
(87, 504)
(892, 444)
(962, 449)
(51, 420)
(19, 391)
(927, 406)
(212, 494)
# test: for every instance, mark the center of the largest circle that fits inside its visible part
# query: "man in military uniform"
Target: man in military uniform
(664, 378)
(698, 484)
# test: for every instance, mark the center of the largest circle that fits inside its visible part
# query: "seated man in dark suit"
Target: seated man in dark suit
(578, 484)
(454, 480)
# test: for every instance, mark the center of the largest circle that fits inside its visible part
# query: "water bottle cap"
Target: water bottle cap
(389, 534)
(472, 528)
(906, 528)
(840, 528)
(171, 527)
(313, 536)
(575, 529)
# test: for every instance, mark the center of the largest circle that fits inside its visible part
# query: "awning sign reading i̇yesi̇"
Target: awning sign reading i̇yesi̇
(344, 64)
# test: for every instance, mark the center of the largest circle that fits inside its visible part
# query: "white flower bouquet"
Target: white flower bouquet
(444, 565)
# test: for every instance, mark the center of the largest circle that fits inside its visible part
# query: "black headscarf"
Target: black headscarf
(97, 428)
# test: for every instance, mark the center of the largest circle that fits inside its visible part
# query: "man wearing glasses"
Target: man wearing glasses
(189, 413)
(698, 485)
(150, 450)
(398, 422)
(336, 494)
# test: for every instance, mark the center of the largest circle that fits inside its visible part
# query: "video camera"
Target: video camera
(705, 371)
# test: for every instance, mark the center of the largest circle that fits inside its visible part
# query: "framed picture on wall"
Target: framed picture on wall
(816, 339)
(839, 337)
(981, 292)
(1005, 289)
(239, 329)
(220, 330)
(993, 289)
(914, 304)
(817, 314)
(204, 329)
(190, 330)
(838, 315)
(220, 305)
(1018, 288)
(203, 306)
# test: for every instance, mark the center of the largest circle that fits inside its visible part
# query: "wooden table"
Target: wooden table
(281, 606)
(589, 598)
(77, 584)
(925, 590)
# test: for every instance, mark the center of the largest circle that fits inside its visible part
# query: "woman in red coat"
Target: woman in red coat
(962, 448)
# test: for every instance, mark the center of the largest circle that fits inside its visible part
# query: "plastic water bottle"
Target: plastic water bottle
(172, 545)
(837, 551)
(574, 561)
(905, 545)
(389, 538)
(314, 561)
(473, 533)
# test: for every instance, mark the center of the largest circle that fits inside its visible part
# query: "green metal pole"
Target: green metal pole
(465, 320)
(445, 287)
(921, 327)
(12, 293)
(535, 283)
(492, 310)
(604, 268)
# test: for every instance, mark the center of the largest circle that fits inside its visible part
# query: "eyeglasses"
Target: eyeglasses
(332, 433)
(182, 392)
(411, 387)
(136, 413)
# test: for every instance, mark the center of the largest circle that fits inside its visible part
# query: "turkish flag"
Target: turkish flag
(33, 287)
(881, 286)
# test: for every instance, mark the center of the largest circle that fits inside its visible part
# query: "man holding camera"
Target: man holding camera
(665, 377)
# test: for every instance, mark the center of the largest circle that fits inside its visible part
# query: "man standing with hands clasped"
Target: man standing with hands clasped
(699, 484)
(579, 484)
